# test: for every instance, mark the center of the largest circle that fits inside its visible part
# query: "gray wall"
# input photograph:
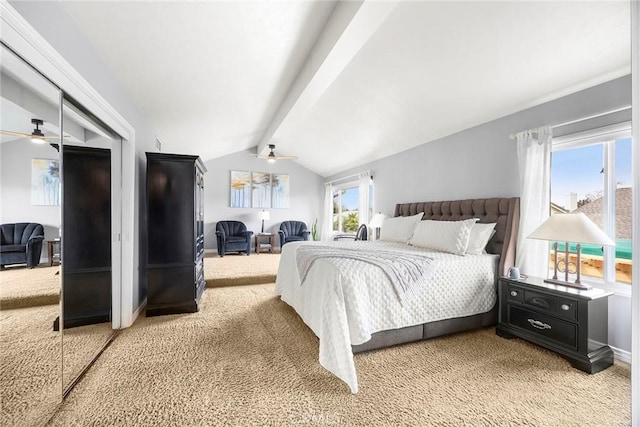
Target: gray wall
(482, 162)
(15, 188)
(52, 22)
(306, 194)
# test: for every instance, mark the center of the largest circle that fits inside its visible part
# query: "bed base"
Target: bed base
(428, 330)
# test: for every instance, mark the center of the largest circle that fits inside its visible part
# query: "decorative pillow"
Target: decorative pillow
(479, 237)
(446, 236)
(400, 228)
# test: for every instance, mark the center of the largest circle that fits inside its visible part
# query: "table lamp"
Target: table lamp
(264, 215)
(376, 222)
(569, 228)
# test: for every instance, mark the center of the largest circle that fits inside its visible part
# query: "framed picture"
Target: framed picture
(279, 190)
(240, 189)
(260, 190)
(45, 182)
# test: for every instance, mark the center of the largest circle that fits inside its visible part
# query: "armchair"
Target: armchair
(293, 231)
(21, 243)
(232, 236)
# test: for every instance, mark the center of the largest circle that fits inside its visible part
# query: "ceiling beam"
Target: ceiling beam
(350, 26)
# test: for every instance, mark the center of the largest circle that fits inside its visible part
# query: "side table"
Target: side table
(53, 251)
(265, 242)
(568, 321)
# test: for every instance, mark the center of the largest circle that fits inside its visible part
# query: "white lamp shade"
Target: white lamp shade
(377, 220)
(571, 227)
(264, 215)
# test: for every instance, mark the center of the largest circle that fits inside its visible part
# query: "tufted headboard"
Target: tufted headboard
(505, 212)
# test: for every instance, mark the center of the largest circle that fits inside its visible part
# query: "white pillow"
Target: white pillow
(446, 236)
(479, 237)
(400, 228)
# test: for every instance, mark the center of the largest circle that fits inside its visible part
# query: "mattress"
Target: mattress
(344, 301)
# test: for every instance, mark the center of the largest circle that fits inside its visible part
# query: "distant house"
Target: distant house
(593, 210)
(557, 209)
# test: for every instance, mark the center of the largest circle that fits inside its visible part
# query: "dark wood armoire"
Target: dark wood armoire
(175, 221)
(86, 235)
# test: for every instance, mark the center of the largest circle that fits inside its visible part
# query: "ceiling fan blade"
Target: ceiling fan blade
(28, 135)
(12, 133)
(286, 157)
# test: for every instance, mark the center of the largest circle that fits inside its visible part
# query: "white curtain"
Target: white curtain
(364, 206)
(326, 228)
(534, 162)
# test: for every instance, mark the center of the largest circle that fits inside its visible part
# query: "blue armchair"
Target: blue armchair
(232, 236)
(293, 231)
(21, 243)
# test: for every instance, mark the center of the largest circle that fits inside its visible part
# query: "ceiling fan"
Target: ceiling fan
(271, 157)
(36, 136)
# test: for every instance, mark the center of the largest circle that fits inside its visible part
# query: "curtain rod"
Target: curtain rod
(355, 175)
(582, 119)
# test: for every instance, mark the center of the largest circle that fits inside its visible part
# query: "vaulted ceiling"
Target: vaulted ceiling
(343, 83)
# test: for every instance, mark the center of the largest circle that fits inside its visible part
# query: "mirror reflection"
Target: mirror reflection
(30, 215)
(86, 240)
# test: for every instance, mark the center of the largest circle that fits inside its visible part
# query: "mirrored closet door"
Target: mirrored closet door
(60, 201)
(90, 193)
(30, 214)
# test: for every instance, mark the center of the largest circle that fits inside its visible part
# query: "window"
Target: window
(594, 177)
(345, 208)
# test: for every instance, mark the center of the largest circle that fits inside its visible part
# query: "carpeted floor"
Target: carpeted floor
(29, 287)
(234, 269)
(23, 287)
(247, 359)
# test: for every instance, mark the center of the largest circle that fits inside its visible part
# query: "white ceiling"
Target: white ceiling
(364, 80)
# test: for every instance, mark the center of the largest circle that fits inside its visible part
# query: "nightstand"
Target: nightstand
(568, 321)
(265, 241)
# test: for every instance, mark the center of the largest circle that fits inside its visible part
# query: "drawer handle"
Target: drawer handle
(538, 324)
(514, 293)
(540, 302)
(565, 307)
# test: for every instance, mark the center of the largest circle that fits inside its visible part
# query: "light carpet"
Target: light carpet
(240, 269)
(29, 287)
(247, 359)
(23, 287)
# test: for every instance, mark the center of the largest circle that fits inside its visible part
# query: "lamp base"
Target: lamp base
(581, 286)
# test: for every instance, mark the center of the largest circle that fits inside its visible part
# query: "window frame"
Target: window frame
(607, 137)
(347, 185)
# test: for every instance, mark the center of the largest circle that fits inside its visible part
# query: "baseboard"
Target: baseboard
(138, 311)
(621, 355)
(210, 251)
(618, 354)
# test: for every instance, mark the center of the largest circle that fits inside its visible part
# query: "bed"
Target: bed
(352, 306)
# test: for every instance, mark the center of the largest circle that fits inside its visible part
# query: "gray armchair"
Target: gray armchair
(293, 231)
(21, 243)
(232, 236)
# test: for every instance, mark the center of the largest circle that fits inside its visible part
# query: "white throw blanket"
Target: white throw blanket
(407, 272)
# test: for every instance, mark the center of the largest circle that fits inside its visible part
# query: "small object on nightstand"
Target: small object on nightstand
(568, 321)
(514, 273)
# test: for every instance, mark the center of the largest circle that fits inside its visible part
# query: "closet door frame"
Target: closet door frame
(24, 40)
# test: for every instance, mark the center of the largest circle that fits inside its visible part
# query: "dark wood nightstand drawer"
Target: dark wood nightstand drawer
(550, 304)
(516, 294)
(563, 333)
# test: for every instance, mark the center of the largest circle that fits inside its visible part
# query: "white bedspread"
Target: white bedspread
(345, 301)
